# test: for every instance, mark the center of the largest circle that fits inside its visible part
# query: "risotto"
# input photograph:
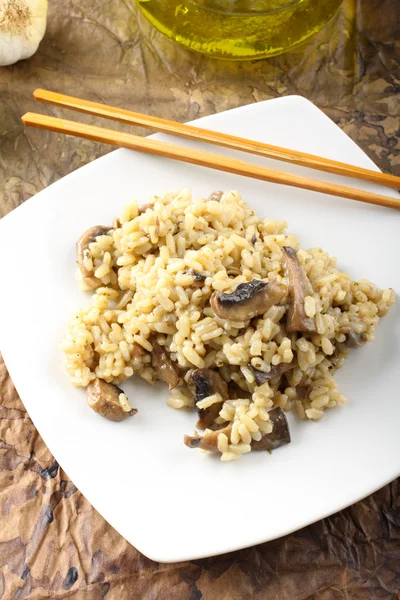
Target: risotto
(226, 308)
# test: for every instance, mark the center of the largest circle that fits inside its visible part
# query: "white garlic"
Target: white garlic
(22, 27)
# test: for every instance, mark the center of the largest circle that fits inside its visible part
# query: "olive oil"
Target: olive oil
(241, 29)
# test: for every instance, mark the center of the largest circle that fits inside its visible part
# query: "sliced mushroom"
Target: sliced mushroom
(203, 383)
(209, 441)
(166, 368)
(248, 300)
(233, 271)
(302, 391)
(235, 392)
(198, 278)
(355, 340)
(105, 399)
(142, 209)
(280, 434)
(116, 224)
(137, 351)
(82, 248)
(297, 319)
(216, 196)
(275, 371)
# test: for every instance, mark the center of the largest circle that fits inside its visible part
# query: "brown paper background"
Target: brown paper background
(53, 544)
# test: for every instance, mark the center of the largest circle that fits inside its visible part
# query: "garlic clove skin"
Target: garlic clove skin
(22, 27)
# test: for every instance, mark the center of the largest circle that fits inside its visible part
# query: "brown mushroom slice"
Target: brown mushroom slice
(275, 371)
(203, 383)
(82, 247)
(209, 441)
(137, 351)
(235, 392)
(142, 209)
(198, 278)
(280, 434)
(355, 340)
(297, 319)
(302, 392)
(166, 368)
(216, 196)
(105, 399)
(248, 300)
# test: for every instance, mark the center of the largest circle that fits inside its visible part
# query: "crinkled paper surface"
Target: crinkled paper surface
(53, 544)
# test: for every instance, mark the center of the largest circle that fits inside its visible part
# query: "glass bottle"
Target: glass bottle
(239, 29)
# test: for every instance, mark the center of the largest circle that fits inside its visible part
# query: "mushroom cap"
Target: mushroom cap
(104, 398)
(280, 434)
(297, 319)
(248, 299)
(203, 383)
(209, 441)
(275, 371)
(166, 368)
(215, 196)
(82, 245)
(355, 340)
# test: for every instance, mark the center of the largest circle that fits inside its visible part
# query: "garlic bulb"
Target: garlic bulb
(22, 27)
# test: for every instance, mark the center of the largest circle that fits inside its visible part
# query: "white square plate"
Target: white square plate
(170, 502)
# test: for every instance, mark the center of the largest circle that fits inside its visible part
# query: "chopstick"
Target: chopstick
(198, 157)
(220, 139)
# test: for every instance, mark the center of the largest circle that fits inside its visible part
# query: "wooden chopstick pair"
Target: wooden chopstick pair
(207, 159)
